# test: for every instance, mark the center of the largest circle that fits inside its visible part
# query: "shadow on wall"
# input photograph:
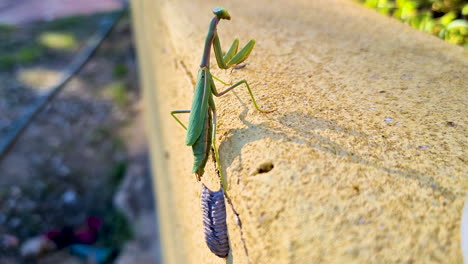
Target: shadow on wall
(304, 126)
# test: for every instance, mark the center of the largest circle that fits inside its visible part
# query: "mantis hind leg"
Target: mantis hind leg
(216, 154)
(173, 113)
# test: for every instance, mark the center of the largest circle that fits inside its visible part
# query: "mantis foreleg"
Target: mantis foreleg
(220, 59)
(232, 57)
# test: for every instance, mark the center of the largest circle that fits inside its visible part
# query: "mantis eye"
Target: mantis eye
(221, 13)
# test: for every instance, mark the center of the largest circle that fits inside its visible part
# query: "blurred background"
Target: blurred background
(446, 19)
(72, 150)
(74, 178)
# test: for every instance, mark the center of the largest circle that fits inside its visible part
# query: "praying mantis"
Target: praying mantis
(201, 130)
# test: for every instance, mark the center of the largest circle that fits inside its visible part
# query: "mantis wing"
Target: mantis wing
(199, 108)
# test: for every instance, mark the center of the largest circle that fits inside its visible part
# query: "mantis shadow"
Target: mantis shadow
(303, 129)
(230, 258)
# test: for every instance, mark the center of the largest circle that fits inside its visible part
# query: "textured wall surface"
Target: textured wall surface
(368, 143)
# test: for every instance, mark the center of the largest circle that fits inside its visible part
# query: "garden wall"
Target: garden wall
(367, 143)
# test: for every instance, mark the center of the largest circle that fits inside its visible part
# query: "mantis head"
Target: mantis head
(221, 13)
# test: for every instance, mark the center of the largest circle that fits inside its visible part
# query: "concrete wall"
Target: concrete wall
(368, 142)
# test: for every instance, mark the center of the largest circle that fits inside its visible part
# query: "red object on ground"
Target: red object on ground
(87, 234)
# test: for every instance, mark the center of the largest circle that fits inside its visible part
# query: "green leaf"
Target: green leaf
(458, 23)
(58, 40)
(447, 18)
(465, 10)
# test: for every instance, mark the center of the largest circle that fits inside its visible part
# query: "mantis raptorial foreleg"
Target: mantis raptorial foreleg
(232, 57)
(228, 60)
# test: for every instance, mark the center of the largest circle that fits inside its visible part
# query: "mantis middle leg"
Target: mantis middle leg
(173, 113)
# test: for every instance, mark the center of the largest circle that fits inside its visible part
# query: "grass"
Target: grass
(52, 45)
(7, 62)
(117, 174)
(25, 55)
(117, 91)
(29, 54)
(66, 23)
(45, 41)
(120, 71)
(58, 40)
(6, 29)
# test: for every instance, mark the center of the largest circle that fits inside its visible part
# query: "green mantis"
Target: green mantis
(201, 130)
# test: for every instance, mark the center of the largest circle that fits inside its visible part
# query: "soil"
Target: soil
(71, 160)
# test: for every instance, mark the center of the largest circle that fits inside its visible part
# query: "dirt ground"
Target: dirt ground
(72, 159)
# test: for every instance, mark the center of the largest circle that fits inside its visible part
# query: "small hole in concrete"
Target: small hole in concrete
(451, 124)
(264, 167)
(356, 189)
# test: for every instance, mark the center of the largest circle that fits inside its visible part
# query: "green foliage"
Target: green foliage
(25, 55)
(27, 45)
(6, 29)
(66, 23)
(7, 61)
(447, 18)
(445, 6)
(383, 6)
(465, 10)
(425, 15)
(119, 71)
(29, 54)
(117, 173)
(116, 231)
(456, 32)
(117, 91)
(58, 40)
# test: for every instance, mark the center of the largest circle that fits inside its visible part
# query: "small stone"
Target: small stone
(69, 197)
(406, 77)
(15, 222)
(15, 191)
